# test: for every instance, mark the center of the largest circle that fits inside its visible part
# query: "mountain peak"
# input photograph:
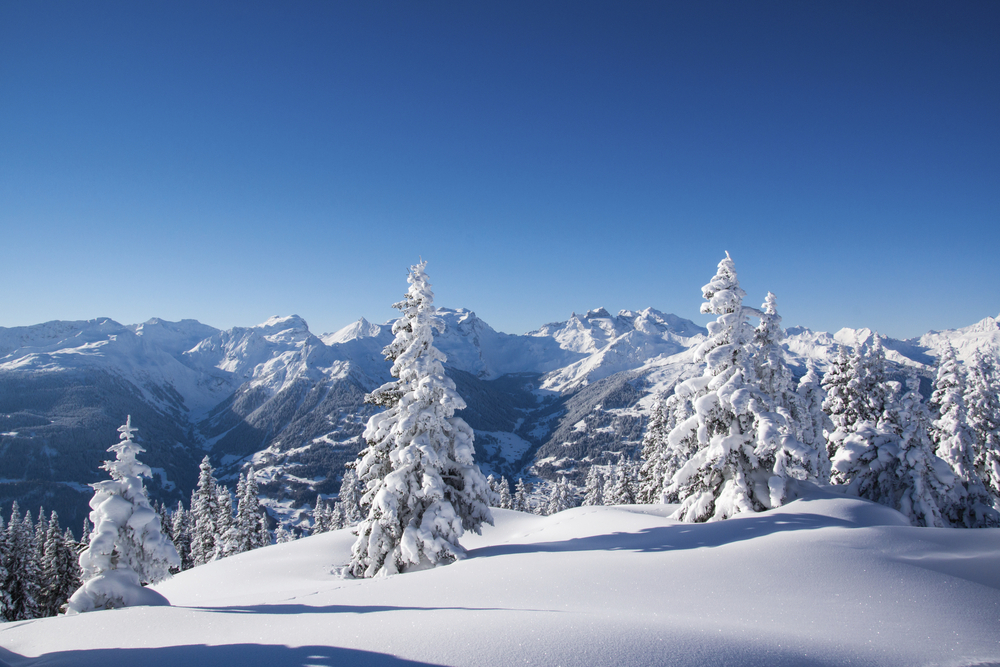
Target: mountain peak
(360, 329)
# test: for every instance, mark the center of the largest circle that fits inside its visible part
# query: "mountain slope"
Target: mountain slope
(548, 403)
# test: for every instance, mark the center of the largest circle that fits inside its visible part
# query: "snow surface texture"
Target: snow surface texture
(824, 580)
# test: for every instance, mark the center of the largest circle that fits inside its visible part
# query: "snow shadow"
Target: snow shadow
(677, 537)
(331, 609)
(233, 655)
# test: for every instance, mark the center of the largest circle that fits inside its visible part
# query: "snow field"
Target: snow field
(824, 580)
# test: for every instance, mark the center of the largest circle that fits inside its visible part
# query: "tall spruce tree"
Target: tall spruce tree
(954, 441)
(745, 450)
(23, 580)
(423, 488)
(60, 569)
(127, 548)
(593, 490)
(204, 515)
(982, 400)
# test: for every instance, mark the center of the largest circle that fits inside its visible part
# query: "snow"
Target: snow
(824, 580)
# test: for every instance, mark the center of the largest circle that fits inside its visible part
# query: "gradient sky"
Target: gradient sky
(232, 161)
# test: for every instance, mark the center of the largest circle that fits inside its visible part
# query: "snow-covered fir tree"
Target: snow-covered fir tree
(181, 529)
(652, 472)
(283, 535)
(23, 582)
(494, 484)
(226, 537)
(560, 497)
(666, 449)
(423, 488)
(323, 517)
(506, 500)
(857, 394)
(204, 513)
(522, 497)
(954, 441)
(249, 527)
(746, 452)
(623, 491)
(60, 568)
(892, 461)
(593, 490)
(126, 548)
(982, 401)
(349, 498)
(815, 425)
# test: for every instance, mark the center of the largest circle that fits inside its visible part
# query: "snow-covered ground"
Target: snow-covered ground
(824, 580)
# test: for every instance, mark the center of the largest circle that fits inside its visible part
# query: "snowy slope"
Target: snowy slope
(822, 581)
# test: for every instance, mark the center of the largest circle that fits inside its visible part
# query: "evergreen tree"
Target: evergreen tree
(593, 491)
(23, 568)
(350, 497)
(423, 488)
(204, 513)
(506, 501)
(982, 400)
(126, 548)
(5, 579)
(622, 493)
(815, 424)
(522, 496)
(283, 535)
(251, 522)
(322, 517)
(559, 497)
(60, 569)
(180, 528)
(652, 472)
(745, 452)
(955, 442)
(227, 538)
(494, 485)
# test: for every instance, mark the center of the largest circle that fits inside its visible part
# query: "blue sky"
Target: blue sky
(232, 161)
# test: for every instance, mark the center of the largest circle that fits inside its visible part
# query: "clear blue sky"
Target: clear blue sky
(232, 161)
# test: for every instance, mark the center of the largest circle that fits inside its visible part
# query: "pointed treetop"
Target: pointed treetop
(126, 430)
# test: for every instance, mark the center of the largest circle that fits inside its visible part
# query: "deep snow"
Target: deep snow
(825, 580)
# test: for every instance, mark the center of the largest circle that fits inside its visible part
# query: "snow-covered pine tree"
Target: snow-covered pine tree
(5, 605)
(23, 569)
(745, 453)
(204, 513)
(506, 501)
(227, 537)
(522, 495)
(982, 400)
(622, 493)
(251, 519)
(815, 424)
(652, 472)
(494, 485)
(892, 461)
(180, 528)
(126, 548)
(423, 487)
(60, 569)
(322, 516)
(839, 402)
(769, 359)
(593, 491)
(349, 498)
(559, 497)
(954, 442)
(857, 394)
(283, 535)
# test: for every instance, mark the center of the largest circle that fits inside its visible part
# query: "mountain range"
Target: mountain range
(275, 396)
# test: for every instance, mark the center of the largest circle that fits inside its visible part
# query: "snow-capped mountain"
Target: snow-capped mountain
(290, 403)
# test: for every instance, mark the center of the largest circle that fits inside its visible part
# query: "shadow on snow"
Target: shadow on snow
(676, 537)
(233, 655)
